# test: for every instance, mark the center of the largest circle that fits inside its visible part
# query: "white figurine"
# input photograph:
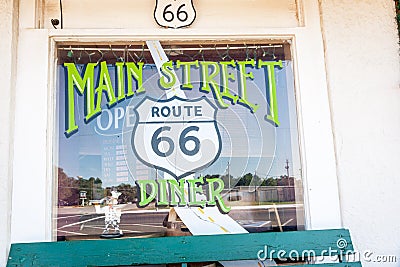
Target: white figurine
(112, 216)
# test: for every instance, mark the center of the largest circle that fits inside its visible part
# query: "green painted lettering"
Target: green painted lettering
(272, 115)
(145, 199)
(168, 78)
(243, 86)
(187, 85)
(208, 82)
(120, 80)
(105, 85)
(137, 72)
(83, 85)
(227, 76)
(162, 193)
(177, 190)
(215, 194)
(194, 188)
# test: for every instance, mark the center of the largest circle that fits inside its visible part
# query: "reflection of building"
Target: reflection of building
(114, 167)
(142, 172)
(121, 169)
(261, 194)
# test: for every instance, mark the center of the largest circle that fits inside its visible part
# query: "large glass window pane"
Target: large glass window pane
(126, 140)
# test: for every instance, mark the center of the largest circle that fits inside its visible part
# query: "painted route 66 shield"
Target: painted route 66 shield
(178, 136)
(174, 13)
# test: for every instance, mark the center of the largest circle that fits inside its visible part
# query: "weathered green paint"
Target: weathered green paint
(134, 251)
(343, 264)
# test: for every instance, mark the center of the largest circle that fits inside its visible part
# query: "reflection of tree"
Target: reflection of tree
(245, 180)
(284, 180)
(270, 182)
(250, 179)
(228, 181)
(93, 187)
(68, 189)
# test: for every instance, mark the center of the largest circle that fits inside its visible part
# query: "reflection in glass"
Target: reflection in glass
(259, 162)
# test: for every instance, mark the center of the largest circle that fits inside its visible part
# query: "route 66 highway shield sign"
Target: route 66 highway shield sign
(176, 135)
(174, 13)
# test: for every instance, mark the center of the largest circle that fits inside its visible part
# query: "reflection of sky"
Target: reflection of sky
(249, 142)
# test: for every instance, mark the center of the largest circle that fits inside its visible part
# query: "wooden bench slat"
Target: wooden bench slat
(131, 251)
(339, 264)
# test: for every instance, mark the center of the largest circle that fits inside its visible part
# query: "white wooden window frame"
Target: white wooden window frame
(33, 167)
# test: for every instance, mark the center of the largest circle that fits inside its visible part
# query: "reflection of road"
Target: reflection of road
(263, 214)
(83, 221)
(78, 221)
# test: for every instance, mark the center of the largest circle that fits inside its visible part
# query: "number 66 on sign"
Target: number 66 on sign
(174, 13)
(178, 136)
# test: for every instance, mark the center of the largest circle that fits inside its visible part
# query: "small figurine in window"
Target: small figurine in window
(112, 216)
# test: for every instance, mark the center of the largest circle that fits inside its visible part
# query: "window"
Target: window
(124, 132)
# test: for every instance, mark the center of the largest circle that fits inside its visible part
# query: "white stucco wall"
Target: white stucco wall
(139, 14)
(362, 59)
(8, 44)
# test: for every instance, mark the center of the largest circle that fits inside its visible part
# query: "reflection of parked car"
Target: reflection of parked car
(95, 202)
(62, 203)
(234, 196)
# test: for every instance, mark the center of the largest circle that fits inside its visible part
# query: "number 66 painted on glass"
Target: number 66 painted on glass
(183, 139)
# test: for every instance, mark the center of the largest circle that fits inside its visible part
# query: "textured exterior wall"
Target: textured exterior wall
(362, 60)
(8, 40)
(139, 14)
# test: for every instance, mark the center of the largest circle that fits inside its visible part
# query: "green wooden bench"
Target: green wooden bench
(186, 249)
